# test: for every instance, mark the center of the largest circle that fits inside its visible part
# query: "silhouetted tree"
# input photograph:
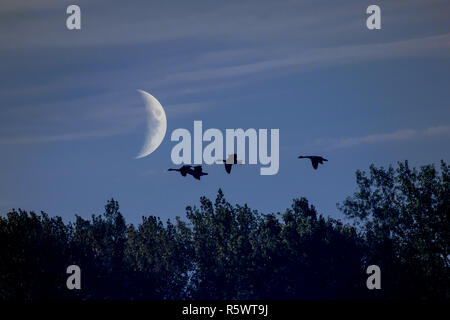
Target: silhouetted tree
(400, 222)
(33, 256)
(403, 215)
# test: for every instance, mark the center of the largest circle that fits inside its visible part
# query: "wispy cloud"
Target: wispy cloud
(153, 172)
(175, 51)
(397, 136)
(146, 22)
(178, 110)
(93, 117)
(319, 57)
(59, 137)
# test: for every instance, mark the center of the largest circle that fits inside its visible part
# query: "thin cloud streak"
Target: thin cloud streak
(96, 117)
(397, 136)
(60, 137)
(314, 58)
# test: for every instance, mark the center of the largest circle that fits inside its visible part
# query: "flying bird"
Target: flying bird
(315, 160)
(232, 159)
(196, 171)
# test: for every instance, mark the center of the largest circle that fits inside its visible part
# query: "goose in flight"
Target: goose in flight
(232, 159)
(315, 160)
(196, 171)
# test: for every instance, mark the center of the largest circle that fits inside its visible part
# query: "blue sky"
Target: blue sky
(71, 120)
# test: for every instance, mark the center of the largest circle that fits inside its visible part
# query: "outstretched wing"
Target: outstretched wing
(315, 163)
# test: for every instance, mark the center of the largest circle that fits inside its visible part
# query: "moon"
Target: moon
(156, 124)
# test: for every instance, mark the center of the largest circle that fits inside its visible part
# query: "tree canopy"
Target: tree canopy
(397, 219)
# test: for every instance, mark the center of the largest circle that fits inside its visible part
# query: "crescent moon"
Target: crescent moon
(156, 124)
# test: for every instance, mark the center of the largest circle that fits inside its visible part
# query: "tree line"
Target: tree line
(398, 219)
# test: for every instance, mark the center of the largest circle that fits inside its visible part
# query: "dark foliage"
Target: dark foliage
(400, 222)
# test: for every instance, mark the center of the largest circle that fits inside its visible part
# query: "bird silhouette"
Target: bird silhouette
(196, 171)
(232, 159)
(315, 160)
